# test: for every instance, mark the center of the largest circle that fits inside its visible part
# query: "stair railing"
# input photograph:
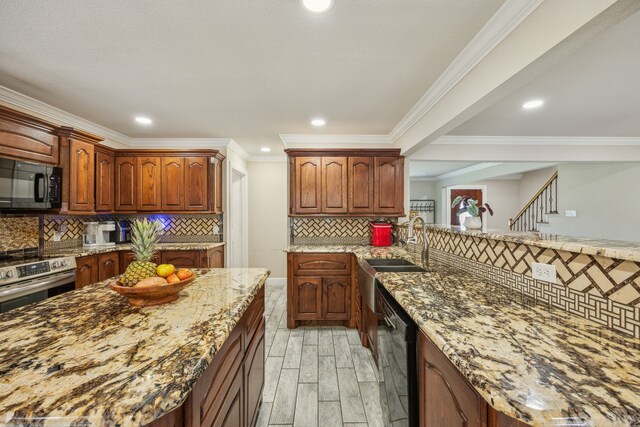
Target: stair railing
(535, 212)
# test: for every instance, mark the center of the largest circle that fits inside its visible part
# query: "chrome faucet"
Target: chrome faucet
(425, 239)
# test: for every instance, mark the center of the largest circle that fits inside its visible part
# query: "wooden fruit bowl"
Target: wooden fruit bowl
(146, 296)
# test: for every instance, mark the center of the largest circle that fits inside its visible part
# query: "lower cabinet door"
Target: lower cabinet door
(108, 265)
(86, 271)
(307, 298)
(254, 375)
(232, 412)
(336, 298)
(181, 259)
(445, 397)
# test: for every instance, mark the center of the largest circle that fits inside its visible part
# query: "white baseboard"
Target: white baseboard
(277, 281)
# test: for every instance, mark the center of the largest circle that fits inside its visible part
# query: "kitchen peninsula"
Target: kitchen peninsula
(87, 357)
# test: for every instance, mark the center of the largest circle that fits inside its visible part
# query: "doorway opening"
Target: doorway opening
(478, 192)
(238, 219)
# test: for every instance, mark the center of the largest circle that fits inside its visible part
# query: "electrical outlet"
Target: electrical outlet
(571, 213)
(546, 272)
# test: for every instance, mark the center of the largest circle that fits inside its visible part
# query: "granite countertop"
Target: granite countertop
(542, 366)
(608, 248)
(87, 357)
(80, 251)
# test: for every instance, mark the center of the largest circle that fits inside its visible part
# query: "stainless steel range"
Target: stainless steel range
(28, 280)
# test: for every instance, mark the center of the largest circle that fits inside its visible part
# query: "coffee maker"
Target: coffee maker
(99, 234)
(123, 231)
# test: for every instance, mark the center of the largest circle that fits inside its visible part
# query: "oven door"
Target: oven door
(29, 185)
(28, 292)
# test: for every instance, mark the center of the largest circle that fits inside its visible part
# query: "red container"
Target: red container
(380, 233)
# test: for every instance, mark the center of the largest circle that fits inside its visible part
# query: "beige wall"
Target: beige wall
(268, 221)
(532, 182)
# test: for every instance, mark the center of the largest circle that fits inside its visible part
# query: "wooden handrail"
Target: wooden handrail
(533, 199)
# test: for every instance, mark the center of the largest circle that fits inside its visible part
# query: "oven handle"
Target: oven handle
(61, 279)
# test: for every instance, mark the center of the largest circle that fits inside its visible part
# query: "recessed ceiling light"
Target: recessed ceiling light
(317, 6)
(318, 122)
(532, 104)
(265, 149)
(144, 120)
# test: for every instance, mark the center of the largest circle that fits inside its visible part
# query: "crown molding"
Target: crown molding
(235, 147)
(48, 112)
(502, 23)
(326, 141)
(180, 142)
(604, 141)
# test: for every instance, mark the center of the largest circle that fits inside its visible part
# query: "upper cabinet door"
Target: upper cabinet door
(195, 182)
(149, 183)
(389, 186)
(81, 185)
(105, 179)
(126, 184)
(308, 185)
(334, 185)
(172, 183)
(361, 185)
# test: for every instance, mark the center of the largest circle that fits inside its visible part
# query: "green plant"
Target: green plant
(467, 204)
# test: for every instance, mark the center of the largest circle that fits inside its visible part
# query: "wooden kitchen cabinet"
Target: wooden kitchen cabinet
(172, 175)
(195, 184)
(336, 298)
(360, 176)
(346, 182)
(320, 288)
(308, 185)
(229, 391)
(214, 190)
(334, 185)
(148, 183)
(86, 271)
(105, 181)
(181, 259)
(108, 265)
(388, 184)
(214, 258)
(445, 397)
(23, 137)
(125, 184)
(81, 184)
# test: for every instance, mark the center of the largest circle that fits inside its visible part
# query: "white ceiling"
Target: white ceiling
(594, 92)
(242, 69)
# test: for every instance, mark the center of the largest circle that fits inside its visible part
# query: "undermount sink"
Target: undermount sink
(399, 269)
(374, 262)
(394, 265)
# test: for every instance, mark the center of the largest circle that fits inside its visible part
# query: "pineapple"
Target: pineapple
(144, 242)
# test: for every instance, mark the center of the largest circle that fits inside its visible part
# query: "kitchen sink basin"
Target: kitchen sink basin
(399, 269)
(375, 262)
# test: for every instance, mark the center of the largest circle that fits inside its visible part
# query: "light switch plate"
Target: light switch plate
(571, 213)
(546, 272)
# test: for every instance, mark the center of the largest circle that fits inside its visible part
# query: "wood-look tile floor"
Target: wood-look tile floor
(315, 376)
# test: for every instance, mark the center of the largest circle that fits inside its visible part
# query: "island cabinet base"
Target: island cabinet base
(445, 397)
(229, 392)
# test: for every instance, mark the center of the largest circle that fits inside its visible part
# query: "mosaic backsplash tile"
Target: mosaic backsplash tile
(332, 230)
(172, 225)
(19, 233)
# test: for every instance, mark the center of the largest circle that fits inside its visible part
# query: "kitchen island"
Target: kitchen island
(531, 364)
(88, 358)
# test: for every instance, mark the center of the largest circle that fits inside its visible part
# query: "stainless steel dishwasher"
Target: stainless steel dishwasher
(395, 343)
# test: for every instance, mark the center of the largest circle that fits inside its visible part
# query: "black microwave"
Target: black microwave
(29, 185)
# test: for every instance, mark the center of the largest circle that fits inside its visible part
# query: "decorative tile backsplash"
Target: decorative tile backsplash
(176, 228)
(19, 233)
(620, 317)
(332, 230)
(604, 290)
